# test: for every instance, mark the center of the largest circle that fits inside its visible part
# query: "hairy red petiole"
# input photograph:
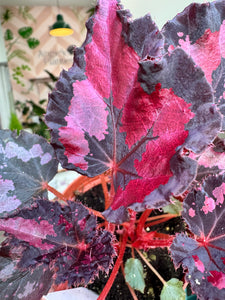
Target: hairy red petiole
(45, 186)
(116, 267)
(142, 220)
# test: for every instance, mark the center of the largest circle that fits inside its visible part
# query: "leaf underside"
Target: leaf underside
(26, 162)
(51, 239)
(128, 107)
(203, 255)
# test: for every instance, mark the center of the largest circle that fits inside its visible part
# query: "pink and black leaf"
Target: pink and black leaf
(20, 284)
(127, 107)
(58, 239)
(203, 253)
(26, 162)
(199, 30)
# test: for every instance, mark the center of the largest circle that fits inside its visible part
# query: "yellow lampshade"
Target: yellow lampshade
(60, 28)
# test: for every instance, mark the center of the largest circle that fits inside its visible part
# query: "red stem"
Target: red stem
(161, 217)
(45, 186)
(63, 198)
(129, 287)
(158, 221)
(142, 221)
(115, 270)
(95, 212)
(105, 191)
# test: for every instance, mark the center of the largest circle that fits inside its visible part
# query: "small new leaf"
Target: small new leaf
(134, 274)
(173, 290)
(175, 207)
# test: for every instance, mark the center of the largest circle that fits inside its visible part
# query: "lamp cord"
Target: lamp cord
(58, 6)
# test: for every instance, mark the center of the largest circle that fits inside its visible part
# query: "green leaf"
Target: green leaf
(6, 16)
(221, 135)
(25, 32)
(42, 101)
(24, 11)
(25, 67)
(25, 110)
(15, 123)
(36, 109)
(33, 43)
(52, 76)
(8, 36)
(91, 11)
(175, 207)
(134, 274)
(18, 53)
(173, 290)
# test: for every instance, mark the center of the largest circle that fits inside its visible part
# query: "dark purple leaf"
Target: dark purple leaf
(203, 254)
(125, 107)
(26, 162)
(200, 30)
(51, 237)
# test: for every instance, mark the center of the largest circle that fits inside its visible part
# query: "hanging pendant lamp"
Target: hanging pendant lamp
(60, 28)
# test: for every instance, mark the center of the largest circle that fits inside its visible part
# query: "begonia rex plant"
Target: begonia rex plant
(142, 111)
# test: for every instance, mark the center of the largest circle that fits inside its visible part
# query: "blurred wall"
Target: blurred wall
(160, 10)
(51, 54)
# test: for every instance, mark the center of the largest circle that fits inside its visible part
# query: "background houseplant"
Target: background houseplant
(142, 110)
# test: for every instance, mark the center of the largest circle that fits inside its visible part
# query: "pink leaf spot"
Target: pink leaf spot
(198, 263)
(209, 205)
(219, 193)
(217, 279)
(67, 225)
(191, 212)
(170, 48)
(180, 34)
(82, 223)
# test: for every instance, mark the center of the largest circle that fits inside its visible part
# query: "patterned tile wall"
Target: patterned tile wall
(51, 54)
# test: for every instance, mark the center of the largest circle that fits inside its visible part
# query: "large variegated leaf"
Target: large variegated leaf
(127, 107)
